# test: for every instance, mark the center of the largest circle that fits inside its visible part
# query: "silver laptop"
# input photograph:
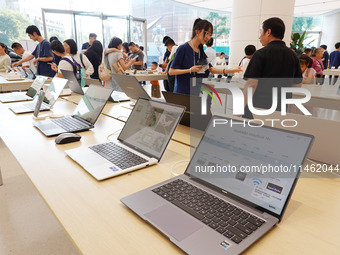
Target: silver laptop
(84, 116)
(116, 96)
(24, 96)
(141, 142)
(73, 83)
(51, 95)
(222, 204)
(130, 85)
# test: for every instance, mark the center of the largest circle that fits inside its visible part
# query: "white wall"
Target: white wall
(246, 21)
(330, 30)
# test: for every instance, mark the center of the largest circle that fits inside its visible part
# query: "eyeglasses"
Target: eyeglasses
(208, 34)
(260, 31)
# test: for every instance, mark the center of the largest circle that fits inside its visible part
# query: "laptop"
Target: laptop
(130, 85)
(192, 116)
(51, 95)
(22, 96)
(325, 132)
(84, 116)
(221, 204)
(116, 96)
(73, 83)
(141, 142)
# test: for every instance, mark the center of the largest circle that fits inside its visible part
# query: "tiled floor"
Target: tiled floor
(27, 226)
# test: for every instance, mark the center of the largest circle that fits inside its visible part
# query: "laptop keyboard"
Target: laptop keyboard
(118, 155)
(227, 219)
(31, 106)
(70, 124)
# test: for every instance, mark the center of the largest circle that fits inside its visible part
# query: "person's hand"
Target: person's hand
(195, 69)
(163, 65)
(15, 64)
(237, 70)
(35, 61)
(54, 66)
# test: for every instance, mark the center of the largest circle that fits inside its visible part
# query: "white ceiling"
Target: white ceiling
(302, 7)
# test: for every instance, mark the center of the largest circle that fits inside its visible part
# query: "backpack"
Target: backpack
(77, 70)
(103, 72)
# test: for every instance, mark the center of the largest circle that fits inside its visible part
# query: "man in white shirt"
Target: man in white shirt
(210, 52)
(249, 50)
(220, 60)
(17, 47)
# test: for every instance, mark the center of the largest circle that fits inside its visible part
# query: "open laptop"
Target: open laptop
(192, 116)
(130, 85)
(51, 95)
(84, 116)
(141, 142)
(221, 204)
(73, 83)
(116, 96)
(325, 132)
(24, 96)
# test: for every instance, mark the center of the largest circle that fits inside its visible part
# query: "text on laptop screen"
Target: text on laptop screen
(92, 103)
(150, 126)
(54, 89)
(36, 85)
(258, 164)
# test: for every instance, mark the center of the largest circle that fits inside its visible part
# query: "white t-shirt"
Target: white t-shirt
(65, 65)
(5, 61)
(220, 62)
(211, 53)
(244, 64)
(88, 68)
(28, 63)
(172, 53)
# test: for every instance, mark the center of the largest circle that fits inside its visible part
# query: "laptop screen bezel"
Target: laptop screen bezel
(140, 150)
(242, 200)
(108, 95)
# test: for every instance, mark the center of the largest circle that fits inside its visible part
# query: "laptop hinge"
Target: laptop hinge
(82, 120)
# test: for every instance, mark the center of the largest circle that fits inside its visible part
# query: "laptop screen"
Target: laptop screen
(54, 89)
(150, 126)
(130, 85)
(36, 85)
(92, 103)
(257, 164)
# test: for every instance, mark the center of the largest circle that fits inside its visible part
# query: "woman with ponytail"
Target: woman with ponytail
(191, 61)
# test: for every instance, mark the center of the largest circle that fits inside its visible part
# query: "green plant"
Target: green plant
(297, 42)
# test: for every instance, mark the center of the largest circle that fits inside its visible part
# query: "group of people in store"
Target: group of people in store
(314, 61)
(188, 63)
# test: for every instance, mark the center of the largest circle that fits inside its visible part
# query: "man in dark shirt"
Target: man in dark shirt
(275, 65)
(42, 54)
(92, 38)
(138, 55)
(334, 61)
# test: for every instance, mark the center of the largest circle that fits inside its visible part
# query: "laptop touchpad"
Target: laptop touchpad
(173, 221)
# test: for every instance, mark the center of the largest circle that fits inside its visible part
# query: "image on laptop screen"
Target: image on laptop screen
(54, 89)
(256, 164)
(92, 103)
(36, 85)
(150, 126)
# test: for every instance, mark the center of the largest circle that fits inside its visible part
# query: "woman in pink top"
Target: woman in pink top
(318, 65)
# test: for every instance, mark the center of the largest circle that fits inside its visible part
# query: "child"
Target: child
(155, 90)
